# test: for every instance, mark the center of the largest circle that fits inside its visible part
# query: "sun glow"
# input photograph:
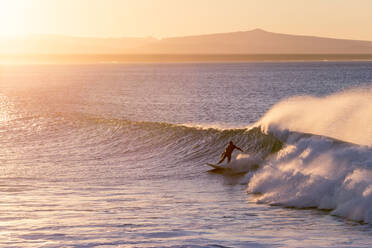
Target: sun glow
(12, 17)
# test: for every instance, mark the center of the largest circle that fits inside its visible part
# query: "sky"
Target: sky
(168, 18)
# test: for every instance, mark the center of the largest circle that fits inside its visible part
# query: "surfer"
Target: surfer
(228, 151)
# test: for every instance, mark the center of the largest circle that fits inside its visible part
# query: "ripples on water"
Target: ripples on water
(93, 156)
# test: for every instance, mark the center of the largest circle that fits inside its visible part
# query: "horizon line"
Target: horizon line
(167, 37)
(24, 59)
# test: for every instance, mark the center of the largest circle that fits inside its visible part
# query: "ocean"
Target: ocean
(114, 155)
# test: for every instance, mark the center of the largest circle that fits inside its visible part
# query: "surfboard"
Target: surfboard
(224, 170)
(217, 167)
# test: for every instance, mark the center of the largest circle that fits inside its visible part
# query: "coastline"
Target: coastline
(175, 58)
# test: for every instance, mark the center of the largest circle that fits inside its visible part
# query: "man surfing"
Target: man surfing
(228, 151)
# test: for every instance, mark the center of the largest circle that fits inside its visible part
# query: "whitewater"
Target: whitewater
(313, 170)
(115, 155)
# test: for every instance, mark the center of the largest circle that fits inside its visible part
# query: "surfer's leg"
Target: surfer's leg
(228, 158)
(222, 158)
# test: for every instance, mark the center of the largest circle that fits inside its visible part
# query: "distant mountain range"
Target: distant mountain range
(255, 41)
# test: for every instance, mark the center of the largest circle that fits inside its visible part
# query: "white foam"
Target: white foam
(346, 116)
(217, 126)
(315, 171)
(245, 162)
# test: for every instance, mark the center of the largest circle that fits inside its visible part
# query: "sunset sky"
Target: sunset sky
(166, 18)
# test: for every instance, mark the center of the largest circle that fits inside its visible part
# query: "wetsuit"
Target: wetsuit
(227, 153)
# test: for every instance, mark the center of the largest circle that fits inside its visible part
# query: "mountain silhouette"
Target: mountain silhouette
(256, 41)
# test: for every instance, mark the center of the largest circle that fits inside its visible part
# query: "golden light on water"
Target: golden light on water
(3, 109)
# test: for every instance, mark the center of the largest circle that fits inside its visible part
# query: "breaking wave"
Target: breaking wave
(306, 152)
(316, 171)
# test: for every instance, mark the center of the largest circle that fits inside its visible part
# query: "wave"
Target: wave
(191, 144)
(315, 171)
(345, 116)
(306, 158)
(296, 169)
(84, 137)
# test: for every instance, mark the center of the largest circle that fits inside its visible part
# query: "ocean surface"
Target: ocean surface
(114, 155)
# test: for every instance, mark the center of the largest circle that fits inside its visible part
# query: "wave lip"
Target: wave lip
(345, 116)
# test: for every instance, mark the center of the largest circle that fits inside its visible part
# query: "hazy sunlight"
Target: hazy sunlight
(201, 123)
(12, 17)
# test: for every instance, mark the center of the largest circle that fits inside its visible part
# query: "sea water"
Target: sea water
(113, 155)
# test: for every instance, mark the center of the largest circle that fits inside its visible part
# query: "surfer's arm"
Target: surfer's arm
(238, 148)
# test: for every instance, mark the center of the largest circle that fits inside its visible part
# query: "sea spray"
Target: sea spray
(316, 170)
(346, 116)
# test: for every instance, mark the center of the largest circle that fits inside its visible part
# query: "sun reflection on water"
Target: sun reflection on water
(5, 108)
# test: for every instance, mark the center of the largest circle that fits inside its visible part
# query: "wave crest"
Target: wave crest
(346, 116)
(315, 171)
